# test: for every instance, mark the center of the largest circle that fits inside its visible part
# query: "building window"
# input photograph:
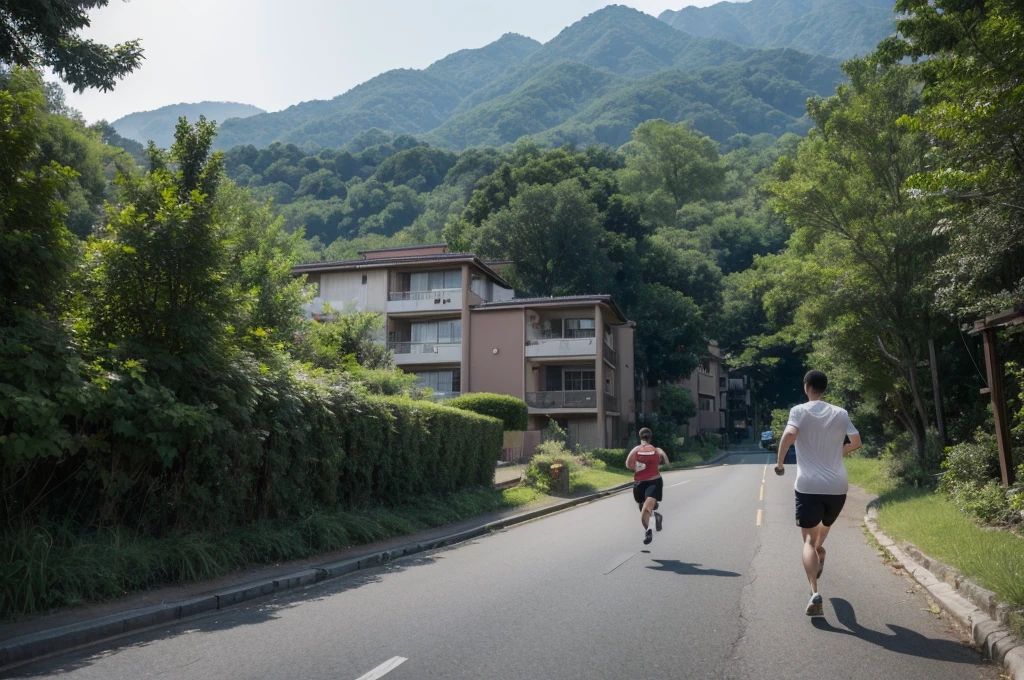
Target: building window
(580, 328)
(707, 404)
(705, 366)
(425, 281)
(579, 381)
(364, 279)
(441, 332)
(441, 382)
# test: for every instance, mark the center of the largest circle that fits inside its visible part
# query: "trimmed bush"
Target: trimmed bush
(509, 410)
(613, 458)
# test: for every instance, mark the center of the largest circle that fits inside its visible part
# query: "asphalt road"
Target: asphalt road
(719, 594)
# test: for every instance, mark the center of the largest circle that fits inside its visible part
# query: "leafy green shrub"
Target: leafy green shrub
(972, 462)
(988, 502)
(554, 433)
(614, 458)
(510, 411)
(538, 473)
(388, 382)
(971, 479)
(904, 467)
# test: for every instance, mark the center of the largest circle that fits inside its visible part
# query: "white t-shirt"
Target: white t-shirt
(819, 447)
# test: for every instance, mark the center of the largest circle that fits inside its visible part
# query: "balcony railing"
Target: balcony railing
(611, 355)
(550, 400)
(421, 347)
(570, 334)
(438, 294)
(611, 402)
(444, 396)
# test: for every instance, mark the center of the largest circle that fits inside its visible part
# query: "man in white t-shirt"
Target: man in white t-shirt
(820, 431)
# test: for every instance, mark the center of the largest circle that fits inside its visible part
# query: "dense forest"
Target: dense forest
(593, 83)
(834, 28)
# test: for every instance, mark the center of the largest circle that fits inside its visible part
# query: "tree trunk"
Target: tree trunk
(940, 420)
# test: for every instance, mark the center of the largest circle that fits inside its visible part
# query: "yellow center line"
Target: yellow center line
(762, 492)
(759, 517)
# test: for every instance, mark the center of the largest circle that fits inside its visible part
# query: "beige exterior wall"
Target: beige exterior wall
(501, 373)
(624, 337)
(345, 291)
(704, 386)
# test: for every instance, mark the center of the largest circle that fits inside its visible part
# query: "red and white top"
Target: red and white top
(648, 457)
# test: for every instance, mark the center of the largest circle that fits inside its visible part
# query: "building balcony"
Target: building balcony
(541, 345)
(611, 402)
(610, 355)
(558, 400)
(417, 353)
(443, 300)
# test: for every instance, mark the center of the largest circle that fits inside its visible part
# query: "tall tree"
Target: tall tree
(669, 159)
(46, 34)
(553, 235)
(973, 108)
(862, 252)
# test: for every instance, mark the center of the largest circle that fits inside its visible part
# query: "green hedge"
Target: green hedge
(509, 410)
(289, 446)
(614, 458)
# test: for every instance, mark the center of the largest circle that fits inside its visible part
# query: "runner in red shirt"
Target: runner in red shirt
(647, 484)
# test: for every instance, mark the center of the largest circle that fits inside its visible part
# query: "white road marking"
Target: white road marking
(383, 669)
(762, 491)
(679, 484)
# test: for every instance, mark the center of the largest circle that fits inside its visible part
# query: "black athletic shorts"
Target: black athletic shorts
(813, 509)
(649, 488)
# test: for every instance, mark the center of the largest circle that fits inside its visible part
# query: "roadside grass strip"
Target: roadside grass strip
(49, 567)
(590, 479)
(992, 558)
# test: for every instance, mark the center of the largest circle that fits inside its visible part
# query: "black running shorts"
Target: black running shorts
(813, 509)
(649, 488)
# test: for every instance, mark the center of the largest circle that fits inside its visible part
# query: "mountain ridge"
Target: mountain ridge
(158, 124)
(840, 29)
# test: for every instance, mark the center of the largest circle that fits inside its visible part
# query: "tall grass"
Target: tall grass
(46, 567)
(869, 474)
(991, 558)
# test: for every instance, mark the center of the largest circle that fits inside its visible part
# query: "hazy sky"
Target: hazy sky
(275, 53)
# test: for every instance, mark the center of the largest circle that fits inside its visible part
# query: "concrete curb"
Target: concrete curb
(977, 609)
(27, 647)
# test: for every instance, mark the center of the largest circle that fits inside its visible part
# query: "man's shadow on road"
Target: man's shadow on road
(688, 569)
(903, 640)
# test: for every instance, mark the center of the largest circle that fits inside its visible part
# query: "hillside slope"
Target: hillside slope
(158, 125)
(834, 28)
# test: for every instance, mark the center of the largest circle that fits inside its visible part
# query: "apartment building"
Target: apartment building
(742, 412)
(451, 319)
(709, 386)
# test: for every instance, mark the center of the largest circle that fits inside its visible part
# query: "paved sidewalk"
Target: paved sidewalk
(508, 474)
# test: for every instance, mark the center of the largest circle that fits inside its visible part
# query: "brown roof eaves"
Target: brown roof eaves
(562, 301)
(354, 265)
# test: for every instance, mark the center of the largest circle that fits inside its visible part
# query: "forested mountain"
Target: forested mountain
(158, 125)
(834, 28)
(403, 100)
(594, 82)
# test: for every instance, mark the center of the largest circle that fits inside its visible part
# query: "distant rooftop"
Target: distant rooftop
(381, 253)
(398, 259)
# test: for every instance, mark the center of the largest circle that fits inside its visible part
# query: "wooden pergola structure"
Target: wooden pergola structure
(987, 327)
